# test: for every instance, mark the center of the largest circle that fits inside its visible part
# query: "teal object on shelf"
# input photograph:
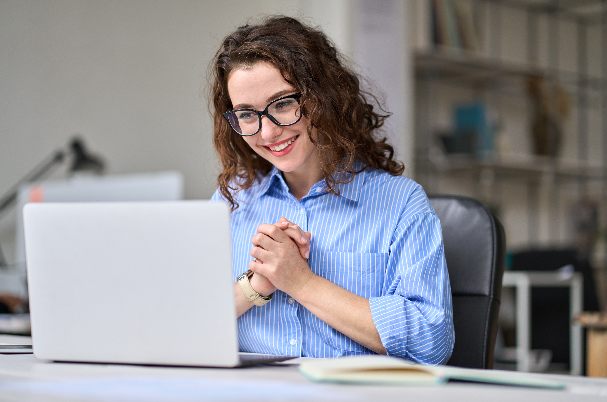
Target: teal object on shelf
(472, 118)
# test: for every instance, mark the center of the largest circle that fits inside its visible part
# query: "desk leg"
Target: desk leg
(575, 305)
(523, 324)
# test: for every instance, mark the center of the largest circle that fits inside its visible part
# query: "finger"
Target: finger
(297, 235)
(259, 254)
(263, 241)
(257, 267)
(308, 235)
(285, 224)
(272, 231)
(255, 264)
(300, 241)
(305, 251)
(282, 224)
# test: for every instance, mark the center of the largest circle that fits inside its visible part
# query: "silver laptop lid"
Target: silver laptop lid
(145, 283)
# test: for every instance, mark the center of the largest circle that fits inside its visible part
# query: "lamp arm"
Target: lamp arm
(36, 173)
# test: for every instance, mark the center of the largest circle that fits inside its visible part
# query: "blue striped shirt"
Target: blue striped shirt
(380, 239)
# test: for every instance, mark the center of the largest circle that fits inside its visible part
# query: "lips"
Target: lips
(281, 148)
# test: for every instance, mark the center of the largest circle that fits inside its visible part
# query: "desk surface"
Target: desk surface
(22, 377)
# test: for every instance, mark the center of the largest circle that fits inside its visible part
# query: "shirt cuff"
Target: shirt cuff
(406, 332)
(389, 316)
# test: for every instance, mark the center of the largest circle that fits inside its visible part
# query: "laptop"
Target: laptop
(133, 282)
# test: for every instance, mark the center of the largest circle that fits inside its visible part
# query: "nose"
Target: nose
(269, 131)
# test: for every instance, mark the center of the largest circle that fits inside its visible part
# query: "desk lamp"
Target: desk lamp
(82, 161)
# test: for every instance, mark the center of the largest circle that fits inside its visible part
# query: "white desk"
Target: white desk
(23, 378)
(523, 281)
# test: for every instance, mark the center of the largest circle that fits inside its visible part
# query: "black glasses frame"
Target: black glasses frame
(230, 113)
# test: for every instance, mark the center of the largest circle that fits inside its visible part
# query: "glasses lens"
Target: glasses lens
(248, 121)
(285, 111)
(244, 122)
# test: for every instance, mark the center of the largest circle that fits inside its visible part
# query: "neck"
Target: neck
(300, 183)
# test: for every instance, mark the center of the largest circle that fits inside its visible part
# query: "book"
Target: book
(386, 370)
(468, 30)
(453, 35)
(445, 24)
(421, 25)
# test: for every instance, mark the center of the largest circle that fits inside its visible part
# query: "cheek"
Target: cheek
(250, 141)
(311, 132)
(303, 127)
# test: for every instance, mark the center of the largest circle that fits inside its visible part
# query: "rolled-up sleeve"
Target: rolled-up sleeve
(414, 315)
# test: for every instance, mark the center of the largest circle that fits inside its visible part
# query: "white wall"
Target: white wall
(129, 75)
(379, 47)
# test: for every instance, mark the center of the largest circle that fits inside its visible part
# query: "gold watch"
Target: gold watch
(244, 281)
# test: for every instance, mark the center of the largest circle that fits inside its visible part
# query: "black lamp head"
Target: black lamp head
(82, 161)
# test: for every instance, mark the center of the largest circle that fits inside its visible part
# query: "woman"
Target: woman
(299, 148)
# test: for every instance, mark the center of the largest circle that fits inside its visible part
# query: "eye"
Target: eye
(245, 115)
(287, 103)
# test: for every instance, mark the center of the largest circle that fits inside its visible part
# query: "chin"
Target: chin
(287, 167)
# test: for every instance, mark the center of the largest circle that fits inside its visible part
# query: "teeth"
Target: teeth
(282, 146)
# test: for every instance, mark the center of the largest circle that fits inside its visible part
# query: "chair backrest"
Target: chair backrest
(474, 248)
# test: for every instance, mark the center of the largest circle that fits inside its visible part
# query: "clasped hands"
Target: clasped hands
(280, 252)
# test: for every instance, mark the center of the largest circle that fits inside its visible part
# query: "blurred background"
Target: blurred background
(504, 101)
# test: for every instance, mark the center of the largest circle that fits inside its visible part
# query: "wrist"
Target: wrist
(261, 285)
(300, 291)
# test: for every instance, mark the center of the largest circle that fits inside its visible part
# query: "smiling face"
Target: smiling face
(287, 147)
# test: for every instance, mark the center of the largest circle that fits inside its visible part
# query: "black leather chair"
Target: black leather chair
(474, 248)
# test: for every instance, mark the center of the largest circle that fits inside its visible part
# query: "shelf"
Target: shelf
(587, 10)
(460, 65)
(529, 166)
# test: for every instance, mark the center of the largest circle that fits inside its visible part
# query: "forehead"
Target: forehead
(256, 85)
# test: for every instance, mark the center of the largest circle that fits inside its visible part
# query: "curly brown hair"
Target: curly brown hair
(332, 100)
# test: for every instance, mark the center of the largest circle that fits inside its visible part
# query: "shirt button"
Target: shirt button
(293, 342)
(291, 301)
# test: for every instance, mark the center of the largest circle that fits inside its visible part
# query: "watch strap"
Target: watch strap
(244, 281)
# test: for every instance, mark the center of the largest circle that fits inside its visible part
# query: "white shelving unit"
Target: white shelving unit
(495, 73)
(538, 198)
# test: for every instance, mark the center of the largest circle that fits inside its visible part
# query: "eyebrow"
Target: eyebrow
(268, 100)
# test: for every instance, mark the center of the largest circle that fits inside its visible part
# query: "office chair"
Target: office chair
(474, 248)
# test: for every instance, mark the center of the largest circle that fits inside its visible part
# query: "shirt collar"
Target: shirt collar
(273, 179)
(350, 190)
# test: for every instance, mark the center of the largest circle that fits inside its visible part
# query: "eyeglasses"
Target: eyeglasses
(284, 111)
